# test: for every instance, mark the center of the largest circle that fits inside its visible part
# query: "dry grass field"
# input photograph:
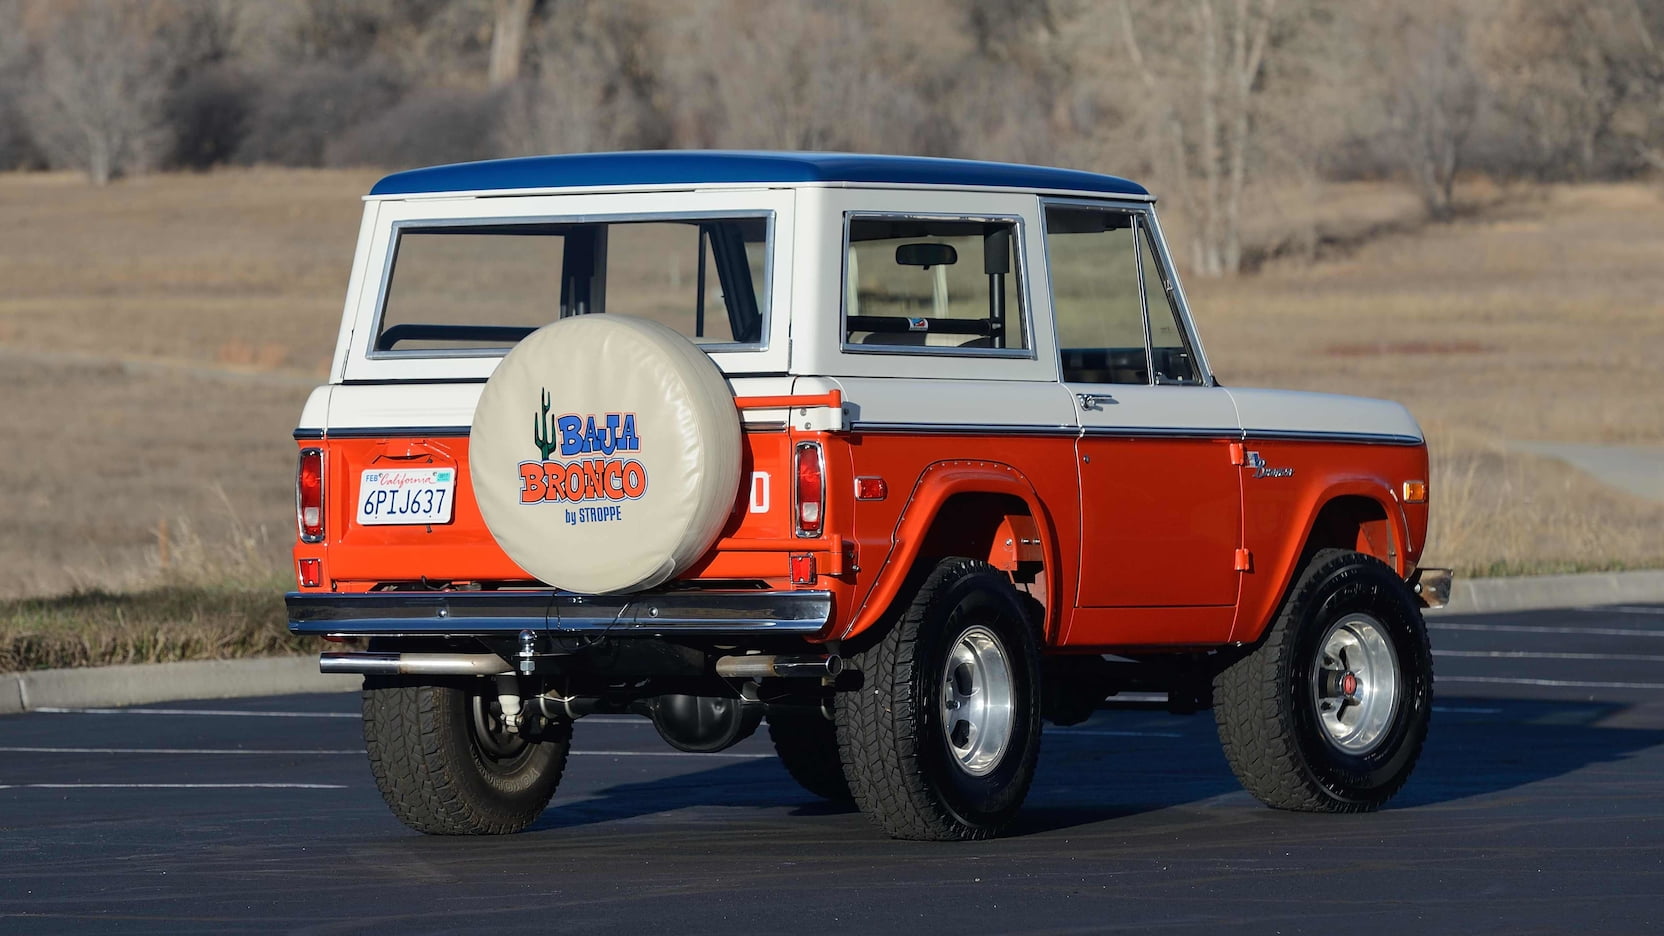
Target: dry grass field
(158, 336)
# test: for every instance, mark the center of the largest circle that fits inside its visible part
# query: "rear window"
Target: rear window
(481, 288)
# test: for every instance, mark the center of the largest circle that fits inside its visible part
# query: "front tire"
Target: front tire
(941, 741)
(446, 766)
(1329, 712)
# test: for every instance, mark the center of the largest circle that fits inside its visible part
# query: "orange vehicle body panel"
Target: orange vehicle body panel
(1278, 514)
(1147, 577)
(755, 544)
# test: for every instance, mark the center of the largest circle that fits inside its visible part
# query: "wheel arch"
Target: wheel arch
(968, 508)
(1362, 516)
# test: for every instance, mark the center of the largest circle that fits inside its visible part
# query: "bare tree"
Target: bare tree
(510, 21)
(594, 81)
(799, 76)
(1563, 69)
(1202, 69)
(102, 78)
(1431, 95)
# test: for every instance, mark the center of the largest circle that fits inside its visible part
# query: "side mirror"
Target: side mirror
(926, 255)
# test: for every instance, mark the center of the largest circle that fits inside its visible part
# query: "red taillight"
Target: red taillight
(309, 495)
(811, 489)
(311, 573)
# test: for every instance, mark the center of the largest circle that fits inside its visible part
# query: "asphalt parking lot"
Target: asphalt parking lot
(1538, 808)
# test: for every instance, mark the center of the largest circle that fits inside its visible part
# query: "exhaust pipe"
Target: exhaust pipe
(414, 664)
(757, 666)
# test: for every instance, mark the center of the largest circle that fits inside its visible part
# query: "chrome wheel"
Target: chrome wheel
(1354, 686)
(977, 705)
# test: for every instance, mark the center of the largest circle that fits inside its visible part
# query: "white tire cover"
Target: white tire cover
(605, 453)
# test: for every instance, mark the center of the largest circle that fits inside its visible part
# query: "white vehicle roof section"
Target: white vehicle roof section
(384, 218)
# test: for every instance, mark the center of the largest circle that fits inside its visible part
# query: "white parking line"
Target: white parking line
(172, 786)
(238, 713)
(1537, 629)
(1568, 683)
(352, 751)
(1542, 655)
(117, 750)
(1102, 733)
(671, 754)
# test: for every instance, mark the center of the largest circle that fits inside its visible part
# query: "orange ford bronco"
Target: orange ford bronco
(902, 455)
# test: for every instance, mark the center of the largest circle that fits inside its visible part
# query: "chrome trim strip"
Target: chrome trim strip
(308, 435)
(669, 614)
(1303, 435)
(1162, 432)
(397, 432)
(1138, 432)
(963, 429)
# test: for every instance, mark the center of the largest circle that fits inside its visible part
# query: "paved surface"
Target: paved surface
(1538, 807)
(1638, 469)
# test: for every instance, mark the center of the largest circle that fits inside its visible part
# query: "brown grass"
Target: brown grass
(1540, 316)
(158, 336)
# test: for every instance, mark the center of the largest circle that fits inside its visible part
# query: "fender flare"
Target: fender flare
(936, 484)
(1370, 488)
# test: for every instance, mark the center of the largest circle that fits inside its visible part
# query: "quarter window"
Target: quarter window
(933, 283)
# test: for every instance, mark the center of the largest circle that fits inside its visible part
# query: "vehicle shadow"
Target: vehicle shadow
(1128, 763)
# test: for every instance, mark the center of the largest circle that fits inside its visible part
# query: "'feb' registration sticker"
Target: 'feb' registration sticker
(406, 495)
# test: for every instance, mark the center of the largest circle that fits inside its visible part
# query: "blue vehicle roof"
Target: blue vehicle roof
(676, 167)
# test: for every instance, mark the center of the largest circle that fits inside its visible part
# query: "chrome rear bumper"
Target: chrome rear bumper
(546, 611)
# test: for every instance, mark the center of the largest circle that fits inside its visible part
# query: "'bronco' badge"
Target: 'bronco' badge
(1262, 470)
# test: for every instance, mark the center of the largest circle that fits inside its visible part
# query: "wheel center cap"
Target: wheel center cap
(1349, 685)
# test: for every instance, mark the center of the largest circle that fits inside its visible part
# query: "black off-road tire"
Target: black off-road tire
(437, 771)
(1268, 708)
(807, 742)
(899, 757)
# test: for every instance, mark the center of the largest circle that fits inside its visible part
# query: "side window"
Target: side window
(1100, 317)
(700, 279)
(1174, 361)
(932, 283)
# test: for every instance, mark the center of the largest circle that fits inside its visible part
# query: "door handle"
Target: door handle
(1092, 401)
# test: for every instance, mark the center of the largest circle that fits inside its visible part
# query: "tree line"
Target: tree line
(1204, 98)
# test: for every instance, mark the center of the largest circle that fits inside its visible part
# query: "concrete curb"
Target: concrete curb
(1547, 592)
(227, 679)
(165, 682)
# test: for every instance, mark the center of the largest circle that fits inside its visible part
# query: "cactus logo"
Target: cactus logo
(592, 465)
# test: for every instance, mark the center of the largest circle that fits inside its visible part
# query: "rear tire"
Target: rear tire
(807, 742)
(941, 741)
(445, 765)
(1329, 712)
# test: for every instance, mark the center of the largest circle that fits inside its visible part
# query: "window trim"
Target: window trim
(396, 233)
(1144, 220)
(1019, 249)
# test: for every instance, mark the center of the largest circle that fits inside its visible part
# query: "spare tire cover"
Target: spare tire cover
(605, 453)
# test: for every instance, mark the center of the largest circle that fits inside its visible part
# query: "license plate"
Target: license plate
(406, 495)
